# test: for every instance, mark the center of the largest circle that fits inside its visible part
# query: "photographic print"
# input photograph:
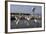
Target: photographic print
(24, 16)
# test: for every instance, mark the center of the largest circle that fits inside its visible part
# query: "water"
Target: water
(26, 24)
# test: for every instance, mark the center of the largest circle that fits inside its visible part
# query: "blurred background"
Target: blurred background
(25, 16)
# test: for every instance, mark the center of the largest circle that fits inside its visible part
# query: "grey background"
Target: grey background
(25, 9)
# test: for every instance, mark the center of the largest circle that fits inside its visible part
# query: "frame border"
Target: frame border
(6, 16)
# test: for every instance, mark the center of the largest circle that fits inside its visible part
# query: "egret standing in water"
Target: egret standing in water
(33, 10)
